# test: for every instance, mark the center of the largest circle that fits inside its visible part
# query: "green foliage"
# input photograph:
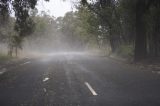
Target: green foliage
(129, 22)
(24, 25)
(4, 57)
(114, 23)
(126, 51)
(17, 41)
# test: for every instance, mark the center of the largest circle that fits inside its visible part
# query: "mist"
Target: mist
(58, 35)
(100, 53)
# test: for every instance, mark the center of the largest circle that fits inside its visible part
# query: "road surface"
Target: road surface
(77, 80)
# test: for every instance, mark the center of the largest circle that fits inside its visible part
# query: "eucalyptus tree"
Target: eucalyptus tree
(107, 11)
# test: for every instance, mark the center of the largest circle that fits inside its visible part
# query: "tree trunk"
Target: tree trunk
(112, 40)
(140, 42)
(156, 40)
(16, 50)
(99, 46)
(10, 52)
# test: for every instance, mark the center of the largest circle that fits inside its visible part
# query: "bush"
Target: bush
(5, 57)
(126, 51)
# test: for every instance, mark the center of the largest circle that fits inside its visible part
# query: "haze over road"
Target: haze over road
(77, 80)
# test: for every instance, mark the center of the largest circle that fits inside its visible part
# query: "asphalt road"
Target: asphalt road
(76, 80)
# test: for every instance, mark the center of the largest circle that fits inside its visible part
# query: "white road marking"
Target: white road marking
(3, 71)
(25, 63)
(91, 89)
(44, 89)
(158, 72)
(45, 79)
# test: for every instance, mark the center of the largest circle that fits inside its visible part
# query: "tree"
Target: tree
(107, 13)
(115, 12)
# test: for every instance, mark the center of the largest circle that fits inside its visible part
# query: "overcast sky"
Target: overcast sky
(56, 7)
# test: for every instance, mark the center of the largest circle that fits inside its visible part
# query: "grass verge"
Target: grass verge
(4, 57)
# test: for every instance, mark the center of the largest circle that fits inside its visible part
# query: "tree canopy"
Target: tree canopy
(128, 27)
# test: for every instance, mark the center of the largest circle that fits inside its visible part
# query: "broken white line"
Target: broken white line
(46, 79)
(91, 89)
(45, 90)
(26, 63)
(3, 71)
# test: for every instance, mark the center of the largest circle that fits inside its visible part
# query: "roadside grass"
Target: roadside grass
(4, 57)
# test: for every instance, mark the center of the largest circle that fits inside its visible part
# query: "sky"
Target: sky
(55, 8)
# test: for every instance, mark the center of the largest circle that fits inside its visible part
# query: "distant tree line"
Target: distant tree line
(128, 27)
(62, 33)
